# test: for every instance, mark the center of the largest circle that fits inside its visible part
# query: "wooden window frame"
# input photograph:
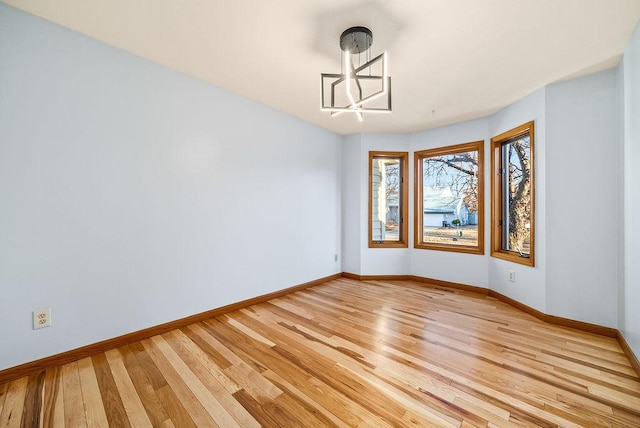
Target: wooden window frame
(418, 197)
(497, 195)
(402, 200)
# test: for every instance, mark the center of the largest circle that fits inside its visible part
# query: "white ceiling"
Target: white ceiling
(450, 60)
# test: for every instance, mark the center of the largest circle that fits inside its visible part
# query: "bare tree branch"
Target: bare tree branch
(458, 171)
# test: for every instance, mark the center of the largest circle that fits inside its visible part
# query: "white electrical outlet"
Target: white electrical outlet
(335, 257)
(512, 275)
(41, 318)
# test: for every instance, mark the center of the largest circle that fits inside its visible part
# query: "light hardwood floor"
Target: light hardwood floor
(346, 353)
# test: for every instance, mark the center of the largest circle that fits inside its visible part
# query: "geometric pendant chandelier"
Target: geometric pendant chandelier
(364, 85)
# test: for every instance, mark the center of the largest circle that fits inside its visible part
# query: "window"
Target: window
(449, 202)
(512, 195)
(388, 199)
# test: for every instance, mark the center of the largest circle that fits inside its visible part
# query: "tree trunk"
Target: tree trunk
(519, 199)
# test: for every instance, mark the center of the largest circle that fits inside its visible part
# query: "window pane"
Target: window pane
(512, 195)
(385, 199)
(450, 199)
(516, 155)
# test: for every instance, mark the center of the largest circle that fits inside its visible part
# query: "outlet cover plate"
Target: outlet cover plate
(41, 318)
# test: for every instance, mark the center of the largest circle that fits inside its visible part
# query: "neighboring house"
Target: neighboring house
(384, 209)
(378, 201)
(392, 209)
(442, 207)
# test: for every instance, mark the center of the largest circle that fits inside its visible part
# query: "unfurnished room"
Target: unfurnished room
(348, 213)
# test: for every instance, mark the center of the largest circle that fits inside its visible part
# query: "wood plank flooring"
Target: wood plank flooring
(346, 353)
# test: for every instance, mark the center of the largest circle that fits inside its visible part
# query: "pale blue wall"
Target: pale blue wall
(631, 299)
(132, 195)
(582, 198)
(352, 238)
